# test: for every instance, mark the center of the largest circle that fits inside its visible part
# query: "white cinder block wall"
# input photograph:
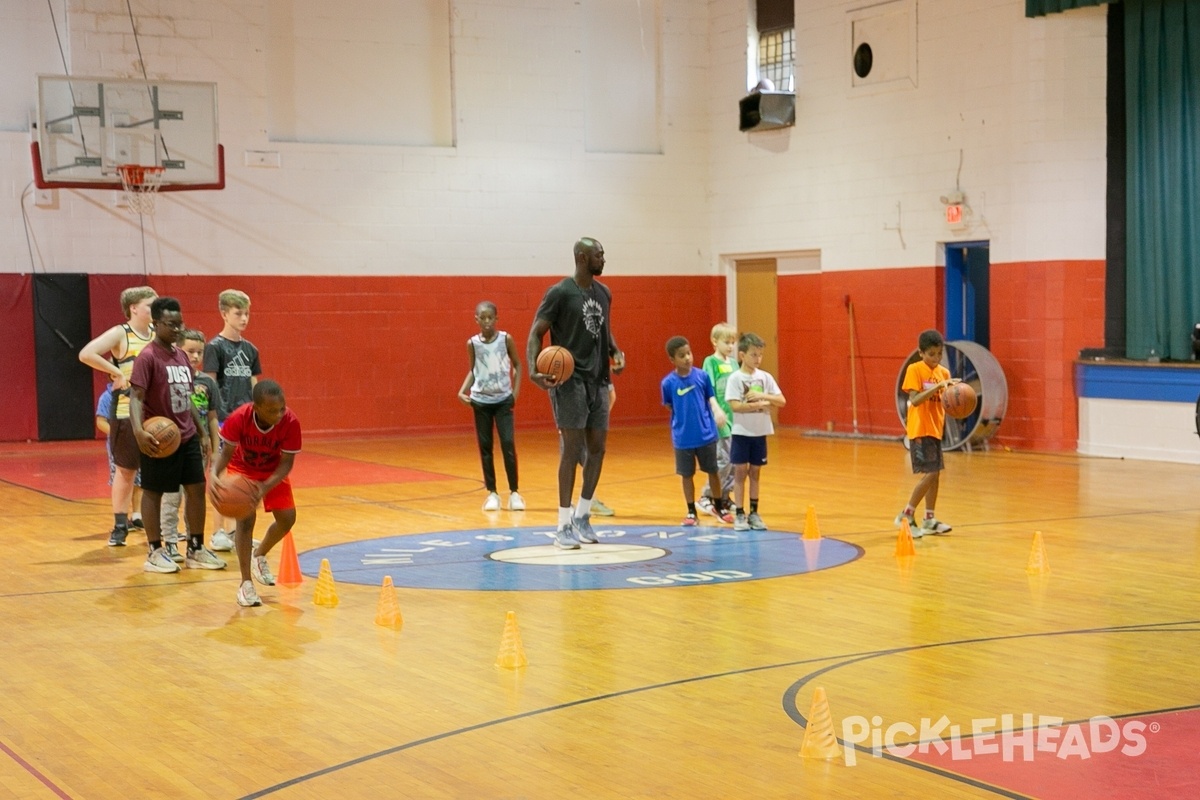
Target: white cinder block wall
(511, 195)
(1022, 100)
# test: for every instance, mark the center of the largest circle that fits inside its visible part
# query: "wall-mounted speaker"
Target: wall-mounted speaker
(765, 111)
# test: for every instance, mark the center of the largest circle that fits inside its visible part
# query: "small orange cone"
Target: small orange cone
(326, 593)
(811, 529)
(819, 739)
(1038, 563)
(289, 564)
(904, 540)
(387, 613)
(512, 652)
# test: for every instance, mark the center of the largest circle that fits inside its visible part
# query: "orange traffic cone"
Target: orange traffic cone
(512, 652)
(387, 613)
(1038, 563)
(819, 739)
(326, 592)
(811, 529)
(289, 564)
(904, 540)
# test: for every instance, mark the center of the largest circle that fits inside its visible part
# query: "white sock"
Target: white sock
(929, 513)
(584, 509)
(564, 517)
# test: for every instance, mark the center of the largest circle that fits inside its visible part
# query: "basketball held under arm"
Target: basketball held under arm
(536, 334)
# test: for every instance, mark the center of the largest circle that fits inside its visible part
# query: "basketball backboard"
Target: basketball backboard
(87, 127)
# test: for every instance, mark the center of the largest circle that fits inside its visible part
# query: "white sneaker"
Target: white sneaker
(203, 559)
(222, 541)
(516, 502)
(260, 570)
(246, 596)
(492, 503)
(159, 561)
(935, 527)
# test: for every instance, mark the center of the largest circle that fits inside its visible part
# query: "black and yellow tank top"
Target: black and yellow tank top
(133, 345)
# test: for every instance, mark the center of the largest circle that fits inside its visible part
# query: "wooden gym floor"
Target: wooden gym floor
(666, 664)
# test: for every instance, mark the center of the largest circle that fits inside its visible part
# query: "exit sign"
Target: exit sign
(954, 214)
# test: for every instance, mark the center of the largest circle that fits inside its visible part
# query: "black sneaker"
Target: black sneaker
(137, 523)
(117, 537)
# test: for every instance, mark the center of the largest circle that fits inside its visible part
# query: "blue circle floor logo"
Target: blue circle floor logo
(627, 557)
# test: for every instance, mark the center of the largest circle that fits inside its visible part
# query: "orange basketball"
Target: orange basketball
(234, 495)
(557, 362)
(165, 432)
(959, 400)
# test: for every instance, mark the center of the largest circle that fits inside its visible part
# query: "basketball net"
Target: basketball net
(141, 184)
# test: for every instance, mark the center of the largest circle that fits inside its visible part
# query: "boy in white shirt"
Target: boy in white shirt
(751, 394)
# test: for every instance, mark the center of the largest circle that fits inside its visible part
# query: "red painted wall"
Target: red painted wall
(388, 354)
(18, 400)
(366, 355)
(1042, 314)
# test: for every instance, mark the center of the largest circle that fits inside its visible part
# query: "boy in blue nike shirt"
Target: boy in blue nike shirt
(695, 420)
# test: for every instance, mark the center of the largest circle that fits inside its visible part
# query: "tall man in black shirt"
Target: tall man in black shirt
(576, 313)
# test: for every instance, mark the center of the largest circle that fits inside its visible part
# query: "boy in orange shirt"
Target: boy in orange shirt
(924, 381)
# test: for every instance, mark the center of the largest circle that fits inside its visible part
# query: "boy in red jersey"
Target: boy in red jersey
(262, 438)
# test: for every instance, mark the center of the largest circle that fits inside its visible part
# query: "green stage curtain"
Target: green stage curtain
(1162, 85)
(1040, 8)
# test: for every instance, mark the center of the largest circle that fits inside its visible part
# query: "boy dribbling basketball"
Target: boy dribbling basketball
(260, 440)
(924, 380)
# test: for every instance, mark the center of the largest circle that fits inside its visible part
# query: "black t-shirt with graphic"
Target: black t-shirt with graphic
(234, 364)
(579, 321)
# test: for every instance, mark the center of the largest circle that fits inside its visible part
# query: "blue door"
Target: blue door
(967, 299)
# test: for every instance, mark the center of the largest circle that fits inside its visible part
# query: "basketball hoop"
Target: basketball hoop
(141, 184)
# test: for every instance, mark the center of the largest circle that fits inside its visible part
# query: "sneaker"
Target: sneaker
(203, 559)
(246, 595)
(173, 552)
(583, 530)
(705, 504)
(516, 502)
(492, 503)
(136, 522)
(723, 515)
(260, 570)
(689, 521)
(222, 541)
(117, 537)
(563, 539)
(740, 523)
(159, 561)
(756, 522)
(601, 510)
(935, 527)
(899, 521)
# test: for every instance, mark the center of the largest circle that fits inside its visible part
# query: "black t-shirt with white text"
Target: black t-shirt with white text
(579, 321)
(234, 364)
